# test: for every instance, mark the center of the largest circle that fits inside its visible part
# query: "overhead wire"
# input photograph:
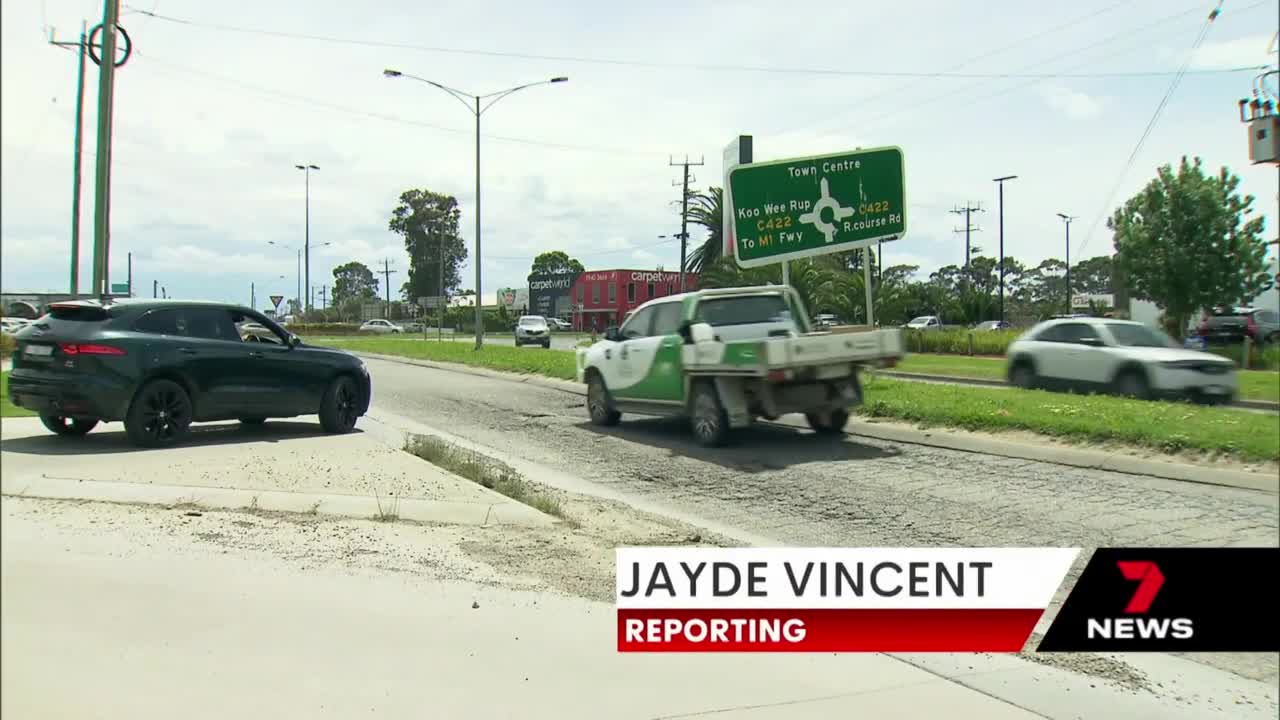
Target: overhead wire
(681, 66)
(1151, 124)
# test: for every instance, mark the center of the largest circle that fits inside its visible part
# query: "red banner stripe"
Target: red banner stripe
(825, 630)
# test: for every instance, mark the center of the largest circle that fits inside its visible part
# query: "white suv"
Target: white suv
(1120, 356)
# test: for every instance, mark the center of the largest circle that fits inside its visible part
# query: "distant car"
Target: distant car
(558, 324)
(13, 325)
(925, 322)
(990, 325)
(381, 327)
(1230, 326)
(160, 365)
(533, 330)
(413, 327)
(1119, 356)
(826, 320)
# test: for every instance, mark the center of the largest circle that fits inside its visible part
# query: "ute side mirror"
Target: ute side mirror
(612, 334)
(701, 333)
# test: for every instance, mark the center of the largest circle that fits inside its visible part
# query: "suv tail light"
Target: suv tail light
(84, 349)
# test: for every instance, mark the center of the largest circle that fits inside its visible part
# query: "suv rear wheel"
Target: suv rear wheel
(69, 427)
(160, 414)
(1133, 383)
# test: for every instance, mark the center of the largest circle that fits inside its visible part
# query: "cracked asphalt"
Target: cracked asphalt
(803, 489)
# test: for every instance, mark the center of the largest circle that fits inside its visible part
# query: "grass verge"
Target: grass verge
(1254, 384)
(8, 409)
(530, 360)
(1164, 426)
(493, 474)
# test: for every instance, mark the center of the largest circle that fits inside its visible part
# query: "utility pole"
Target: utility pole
(1066, 221)
(253, 298)
(684, 213)
(305, 303)
(386, 273)
(441, 300)
(967, 211)
(155, 289)
(324, 298)
(102, 177)
(130, 277)
(77, 162)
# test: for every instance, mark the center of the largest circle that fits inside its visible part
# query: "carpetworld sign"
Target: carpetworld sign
(809, 206)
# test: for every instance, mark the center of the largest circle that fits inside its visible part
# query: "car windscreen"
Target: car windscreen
(919, 320)
(1139, 336)
(749, 310)
(532, 321)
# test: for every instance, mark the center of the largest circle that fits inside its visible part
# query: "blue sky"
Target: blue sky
(210, 124)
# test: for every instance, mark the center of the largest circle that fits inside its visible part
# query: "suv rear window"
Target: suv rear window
(748, 310)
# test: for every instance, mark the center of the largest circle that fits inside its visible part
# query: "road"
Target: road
(801, 489)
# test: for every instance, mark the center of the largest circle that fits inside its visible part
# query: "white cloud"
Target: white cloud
(1248, 51)
(1072, 103)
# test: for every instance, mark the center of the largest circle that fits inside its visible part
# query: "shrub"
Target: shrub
(7, 345)
(957, 342)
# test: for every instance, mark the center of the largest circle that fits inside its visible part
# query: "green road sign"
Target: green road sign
(801, 207)
(119, 288)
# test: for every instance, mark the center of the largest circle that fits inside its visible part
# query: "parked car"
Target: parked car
(925, 322)
(381, 327)
(533, 330)
(1119, 356)
(558, 324)
(12, 325)
(991, 325)
(823, 321)
(414, 327)
(160, 365)
(1230, 326)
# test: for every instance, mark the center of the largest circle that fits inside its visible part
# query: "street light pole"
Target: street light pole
(1000, 181)
(473, 105)
(306, 243)
(1066, 220)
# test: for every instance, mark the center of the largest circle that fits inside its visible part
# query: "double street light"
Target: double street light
(476, 105)
(306, 243)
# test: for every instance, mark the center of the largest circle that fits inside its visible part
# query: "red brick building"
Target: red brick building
(604, 297)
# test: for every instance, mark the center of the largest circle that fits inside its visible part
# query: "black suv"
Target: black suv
(160, 365)
(1230, 326)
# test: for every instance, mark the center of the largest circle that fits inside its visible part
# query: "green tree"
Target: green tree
(1186, 242)
(555, 262)
(1092, 276)
(354, 281)
(706, 209)
(428, 222)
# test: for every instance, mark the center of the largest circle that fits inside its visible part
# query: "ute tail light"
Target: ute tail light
(90, 349)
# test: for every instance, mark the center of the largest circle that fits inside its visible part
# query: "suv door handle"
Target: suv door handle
(255, 353)
(187, 351)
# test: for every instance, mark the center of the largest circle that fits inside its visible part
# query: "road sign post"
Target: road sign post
(804, 207)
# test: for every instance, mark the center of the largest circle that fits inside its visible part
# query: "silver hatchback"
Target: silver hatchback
(533, 330)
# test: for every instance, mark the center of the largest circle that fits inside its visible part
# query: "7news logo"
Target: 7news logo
(1169, 600)
(1149, 578)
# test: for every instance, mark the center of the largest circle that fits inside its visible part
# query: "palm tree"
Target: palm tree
(707, 209)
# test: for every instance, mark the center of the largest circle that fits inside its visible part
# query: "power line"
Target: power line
(1155, 117)
(283, 95)
(639, 63)
(897, 114)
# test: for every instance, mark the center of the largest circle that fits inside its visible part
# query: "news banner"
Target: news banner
(684, 599)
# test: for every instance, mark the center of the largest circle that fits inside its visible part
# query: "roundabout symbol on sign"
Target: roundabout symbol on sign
(128, 45)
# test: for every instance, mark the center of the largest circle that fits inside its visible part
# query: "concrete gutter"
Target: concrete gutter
(987, 382)
(951, 440)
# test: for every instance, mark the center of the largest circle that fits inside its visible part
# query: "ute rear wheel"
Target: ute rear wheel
(709, 421)
(831, 422)
(160, 415)
(68, 427)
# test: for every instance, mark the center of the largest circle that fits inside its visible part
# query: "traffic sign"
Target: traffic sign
(117, 288)
(808, 206)
(275, 300)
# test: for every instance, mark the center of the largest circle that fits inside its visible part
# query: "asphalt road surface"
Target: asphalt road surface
(804, 489)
